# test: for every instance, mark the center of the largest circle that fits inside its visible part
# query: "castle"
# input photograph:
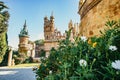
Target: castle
(51, 35)
(51, 38)
(95, 13)
(25, 45)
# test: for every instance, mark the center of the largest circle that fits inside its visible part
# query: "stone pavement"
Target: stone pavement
(17, 74)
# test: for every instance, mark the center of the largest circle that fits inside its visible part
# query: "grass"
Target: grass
(25, 65)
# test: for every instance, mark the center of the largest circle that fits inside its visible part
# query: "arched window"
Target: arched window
(47, 37)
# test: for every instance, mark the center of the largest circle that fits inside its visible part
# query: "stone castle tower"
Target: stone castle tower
(51, 35)
(25, 46)
(95, 13)
(49, 27)
(74, 28)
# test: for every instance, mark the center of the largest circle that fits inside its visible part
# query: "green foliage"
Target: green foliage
(4, 16)
(39, 42)
(42, 53)
(3, 45)
(29, 60)
(85, 59)
(20, 58)
(5, 59)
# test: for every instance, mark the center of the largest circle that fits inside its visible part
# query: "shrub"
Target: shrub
(29, 60)
(19, 58)
(5, 59)
(85, 59)
(42, 53)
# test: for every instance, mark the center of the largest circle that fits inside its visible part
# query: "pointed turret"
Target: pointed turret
(45, 19)
(25, 26)
(70, 25)
(24, 45)
(24, 31)
(52, 16)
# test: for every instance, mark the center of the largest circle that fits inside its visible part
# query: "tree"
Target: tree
(39, 42)
(42, 53)
(4, 16)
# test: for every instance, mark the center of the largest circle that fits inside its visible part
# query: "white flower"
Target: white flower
(83, 38)
(50, 72)
(83, 62)
(116, 64)
(112, 48)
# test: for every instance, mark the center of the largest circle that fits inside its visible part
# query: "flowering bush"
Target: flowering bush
(85, 58)
(83, 63)
(116, 64)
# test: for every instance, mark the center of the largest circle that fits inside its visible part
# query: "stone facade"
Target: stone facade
(74, 29)
(38, 49)
(51, 35)
(25, 46)
(95, 13)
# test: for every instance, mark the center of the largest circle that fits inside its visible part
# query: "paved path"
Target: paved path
(17, 74)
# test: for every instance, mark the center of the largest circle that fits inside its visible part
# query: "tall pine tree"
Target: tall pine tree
(4, 16)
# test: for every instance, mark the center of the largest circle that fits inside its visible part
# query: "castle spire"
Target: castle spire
(70, 25)
(25, 27)
(52, 13)
(45, 19)
(25, 24)
(52, 16)
(24, 31)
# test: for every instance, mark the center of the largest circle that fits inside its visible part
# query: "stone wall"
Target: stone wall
(38, 49)
(23, 40)
(95, 13)
(48, 45)
(51, 35)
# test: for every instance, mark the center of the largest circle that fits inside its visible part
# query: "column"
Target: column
(10, 57)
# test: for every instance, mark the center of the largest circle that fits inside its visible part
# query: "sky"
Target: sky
(34, 11)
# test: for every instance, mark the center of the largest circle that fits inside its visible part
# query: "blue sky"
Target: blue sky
(34, 11)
